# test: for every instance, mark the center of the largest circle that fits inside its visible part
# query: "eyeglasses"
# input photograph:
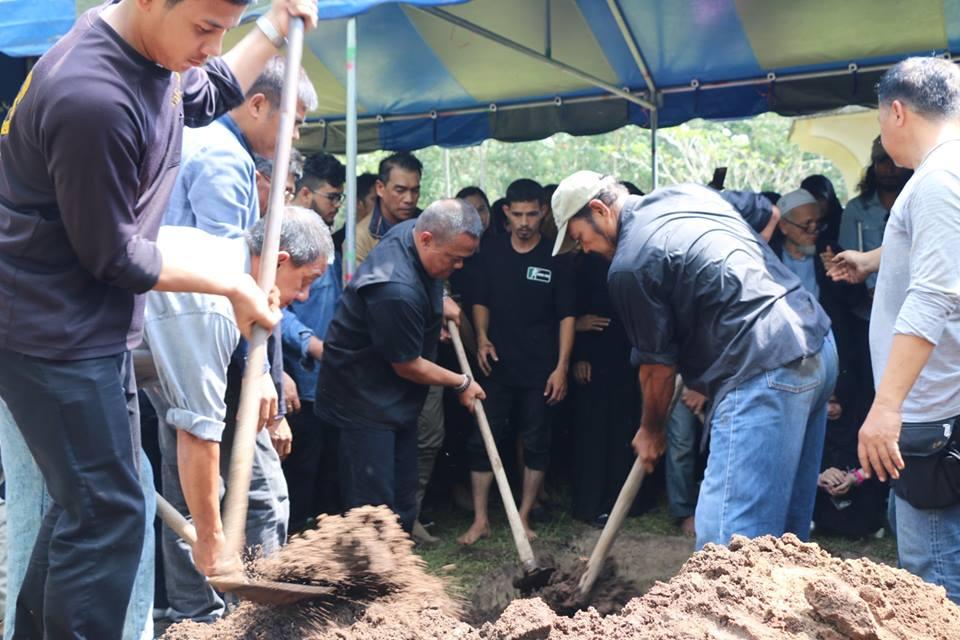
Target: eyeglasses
(813, 226)
(288, 192)
(335, 197)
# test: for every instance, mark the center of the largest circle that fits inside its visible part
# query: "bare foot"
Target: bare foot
(477, 531)
(531, 534)
(688, 528)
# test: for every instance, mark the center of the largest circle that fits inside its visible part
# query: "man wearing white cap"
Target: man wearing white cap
(797, 247)
(700, 293)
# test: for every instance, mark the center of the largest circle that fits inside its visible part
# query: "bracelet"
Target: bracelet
(270, 30)
(463, 386)
(858, 474)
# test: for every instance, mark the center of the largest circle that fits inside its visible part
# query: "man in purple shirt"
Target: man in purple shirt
(88, 156)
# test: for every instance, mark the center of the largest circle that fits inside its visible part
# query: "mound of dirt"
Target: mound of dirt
(765, 589)
(369, 561)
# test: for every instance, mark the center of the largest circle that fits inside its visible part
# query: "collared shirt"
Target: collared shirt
(390, 313)
(918, 288)
(88, 157)
(304, 320)
(216, 189)
(191, 336)
(864, 217)
(698, 289)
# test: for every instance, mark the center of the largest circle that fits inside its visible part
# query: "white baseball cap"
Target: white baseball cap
(570, 197)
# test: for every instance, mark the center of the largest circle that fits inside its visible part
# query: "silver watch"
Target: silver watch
(463, 386)
(270, 30)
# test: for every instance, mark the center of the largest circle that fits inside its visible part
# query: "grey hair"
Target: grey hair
(303, 234)
(270, 84)
(928, 86)
(265, 165)
(609, 196)
(447, 219)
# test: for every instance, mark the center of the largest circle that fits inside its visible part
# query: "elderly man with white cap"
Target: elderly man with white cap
(700, 293)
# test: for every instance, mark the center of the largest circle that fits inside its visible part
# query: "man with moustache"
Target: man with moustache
(524, 316)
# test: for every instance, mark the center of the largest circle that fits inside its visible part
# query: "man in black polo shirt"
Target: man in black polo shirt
(701, 293)
(378, 358)
(524, 316)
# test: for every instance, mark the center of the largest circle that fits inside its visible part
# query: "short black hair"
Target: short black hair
(239, 3)
(632, 189)
(401, 160)
(466, 192)
(525, 190)
(322, 168)
(365, 183)
(929, 86)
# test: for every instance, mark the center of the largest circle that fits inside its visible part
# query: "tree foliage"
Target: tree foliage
(756, 152)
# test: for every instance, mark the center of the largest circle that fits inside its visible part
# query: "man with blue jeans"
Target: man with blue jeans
(915, 324)
(700, 292)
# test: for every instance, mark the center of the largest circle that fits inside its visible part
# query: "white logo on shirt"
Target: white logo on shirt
(539, 274)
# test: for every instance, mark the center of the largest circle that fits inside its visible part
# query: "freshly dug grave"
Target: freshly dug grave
(763, 589)
(366, 556)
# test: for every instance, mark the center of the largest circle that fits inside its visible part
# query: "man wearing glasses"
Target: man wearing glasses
(796, 245)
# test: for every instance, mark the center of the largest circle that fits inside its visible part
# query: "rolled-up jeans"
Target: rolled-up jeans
(766, 444)
(28, 501)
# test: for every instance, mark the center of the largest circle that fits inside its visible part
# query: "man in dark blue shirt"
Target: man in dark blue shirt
(88, 156)
(700, 293)
(379, 355)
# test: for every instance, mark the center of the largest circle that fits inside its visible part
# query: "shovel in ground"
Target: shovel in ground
(534, 576)
(262, 591)
(617, 515)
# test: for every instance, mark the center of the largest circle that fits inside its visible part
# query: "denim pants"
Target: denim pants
(268, 512)
(379, 466)
(681, 461)
(28, 501)
(928, 544)
(766, 443)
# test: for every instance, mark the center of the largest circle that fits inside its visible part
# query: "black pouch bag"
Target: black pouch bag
(930, 478)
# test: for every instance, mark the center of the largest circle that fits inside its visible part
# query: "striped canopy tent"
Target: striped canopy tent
(443, 72)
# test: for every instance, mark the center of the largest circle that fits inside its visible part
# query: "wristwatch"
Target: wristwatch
(463, 386)
(270, 30)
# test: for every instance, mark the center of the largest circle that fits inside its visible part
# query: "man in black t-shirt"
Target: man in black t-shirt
(524, 316)
(380, 351)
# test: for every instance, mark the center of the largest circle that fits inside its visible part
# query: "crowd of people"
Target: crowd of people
(745, 334)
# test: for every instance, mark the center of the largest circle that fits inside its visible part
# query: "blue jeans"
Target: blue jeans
(928, 544)
(681, 461)
(765, 450)
(28, 501)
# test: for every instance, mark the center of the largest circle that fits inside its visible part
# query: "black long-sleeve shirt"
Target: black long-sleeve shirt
(88, 157)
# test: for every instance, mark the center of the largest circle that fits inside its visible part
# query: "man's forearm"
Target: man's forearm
(198, 461)
(481, 321)
(908, 356)
(873, 259)
(176, 275)
(249, 56)
(657, 385)
(567, 332)
(422, 371)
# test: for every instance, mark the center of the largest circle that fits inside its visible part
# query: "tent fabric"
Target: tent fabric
(29, 27)
(424, 80)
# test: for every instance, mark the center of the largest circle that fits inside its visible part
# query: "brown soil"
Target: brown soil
(763, 589)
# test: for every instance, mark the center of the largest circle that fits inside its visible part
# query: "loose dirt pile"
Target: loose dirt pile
(378, 581)
(763, 589)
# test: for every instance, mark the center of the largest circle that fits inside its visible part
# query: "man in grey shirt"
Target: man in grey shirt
(915, 328)
(191, 337)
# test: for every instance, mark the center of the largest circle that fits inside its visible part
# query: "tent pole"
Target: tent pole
(530, 53)
(350, 242)
(653, 149)
(632, 45)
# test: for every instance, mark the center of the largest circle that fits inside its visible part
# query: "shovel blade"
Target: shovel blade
(268, 592)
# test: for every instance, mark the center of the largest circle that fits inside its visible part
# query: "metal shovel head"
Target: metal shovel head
(268, 592)
(533, 580)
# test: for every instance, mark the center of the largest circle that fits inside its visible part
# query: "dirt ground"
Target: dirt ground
(764, 589)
